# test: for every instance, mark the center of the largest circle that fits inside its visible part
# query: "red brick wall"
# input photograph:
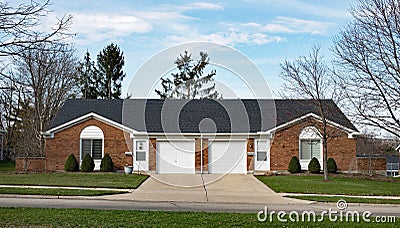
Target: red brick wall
(205, 155)
(199, 152)
(285, 144)
(250, 158)
(152, 154)
(32, 164)
(67, 142)
(371, 164)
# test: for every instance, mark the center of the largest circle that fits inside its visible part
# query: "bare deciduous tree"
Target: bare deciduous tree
(368, 58)
(309, 77)
(47, 76)
(19, 26)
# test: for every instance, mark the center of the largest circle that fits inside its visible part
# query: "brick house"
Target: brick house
(198, 136)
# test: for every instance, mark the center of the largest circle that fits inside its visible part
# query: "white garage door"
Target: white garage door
(175, 157)
(227, 157)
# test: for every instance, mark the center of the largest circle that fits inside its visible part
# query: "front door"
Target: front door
(141, 155)
(262, 155)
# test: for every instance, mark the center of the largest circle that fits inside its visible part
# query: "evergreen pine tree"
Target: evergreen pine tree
(110, 62)
(88, 78)
(189, 82)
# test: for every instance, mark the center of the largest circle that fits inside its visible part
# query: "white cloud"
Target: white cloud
(295, 25)
(227, 38)
(100, 26)
(204, 6)
(317, 8)
(283, 25)
(192, 6)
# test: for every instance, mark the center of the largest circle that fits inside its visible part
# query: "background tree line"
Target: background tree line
(41, 70)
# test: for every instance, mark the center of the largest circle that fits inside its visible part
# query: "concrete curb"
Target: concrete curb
(349, 196)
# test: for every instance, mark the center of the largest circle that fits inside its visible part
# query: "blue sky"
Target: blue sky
(267, 31)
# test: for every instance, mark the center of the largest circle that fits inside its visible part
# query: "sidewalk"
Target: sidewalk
(196, 194)
(59, 187)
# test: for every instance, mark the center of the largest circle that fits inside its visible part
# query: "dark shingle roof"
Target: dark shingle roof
(195, 116)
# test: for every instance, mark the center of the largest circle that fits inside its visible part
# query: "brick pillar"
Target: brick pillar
(205, 155)
(152, 154)
(199, 151)
(197, 154)
(250, 158)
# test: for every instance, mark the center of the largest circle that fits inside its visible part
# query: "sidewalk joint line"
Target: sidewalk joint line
(204, 186)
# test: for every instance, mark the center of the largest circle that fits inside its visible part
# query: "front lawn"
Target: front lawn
(45, 217)
(335, 186)
(56, 192)
(99, 180)
(7, 166)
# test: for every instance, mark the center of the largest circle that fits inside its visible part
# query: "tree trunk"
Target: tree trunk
(325, 154)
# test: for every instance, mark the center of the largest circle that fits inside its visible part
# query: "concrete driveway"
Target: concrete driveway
(229, 188)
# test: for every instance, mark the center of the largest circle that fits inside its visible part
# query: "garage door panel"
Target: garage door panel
(227, 157)
(175, 157)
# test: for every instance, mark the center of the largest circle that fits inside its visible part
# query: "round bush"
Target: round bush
(71, 164)
(332, 167)
(106, 164)
(294, 165)
(87, 164)
(314, 166)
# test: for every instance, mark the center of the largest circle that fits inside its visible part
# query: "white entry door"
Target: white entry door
(227, 157)
(141, 155)
(262, 156)
(175, 157)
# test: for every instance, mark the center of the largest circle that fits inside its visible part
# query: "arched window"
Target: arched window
(310, 143)
(92, 138)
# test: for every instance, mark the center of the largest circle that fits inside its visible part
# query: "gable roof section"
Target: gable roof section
(75, 108)
(291, 110)
(196, 116)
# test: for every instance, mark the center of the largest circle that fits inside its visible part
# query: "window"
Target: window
(310, 143)
(140, 150)
(92, 142)
(392, 168)
(262, 150)
(93, 147)
(310, 148)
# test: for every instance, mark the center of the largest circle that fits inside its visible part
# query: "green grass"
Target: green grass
(336, 185)
(334, 199)
(56, 192)
(17, 217)
(7, 166)
(105, 180)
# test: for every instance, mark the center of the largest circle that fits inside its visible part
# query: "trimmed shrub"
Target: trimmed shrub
(332, 167)
(87, 164)
(71, 164)
(294, 165)
(106, 164)
(314, 166)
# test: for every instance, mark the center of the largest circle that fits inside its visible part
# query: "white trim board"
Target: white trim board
(50, 133)
(351, 133)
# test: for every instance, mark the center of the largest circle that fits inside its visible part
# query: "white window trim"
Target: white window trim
(310, 133)
(98, 136)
